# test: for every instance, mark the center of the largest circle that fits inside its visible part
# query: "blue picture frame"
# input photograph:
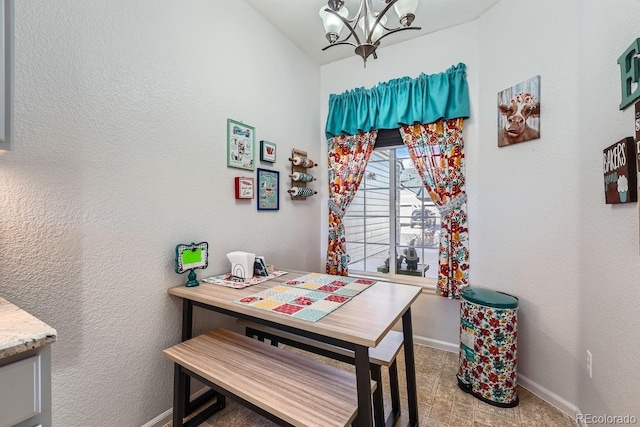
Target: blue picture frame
(268, 190)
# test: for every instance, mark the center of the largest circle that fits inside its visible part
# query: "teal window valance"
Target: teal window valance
(425, 99)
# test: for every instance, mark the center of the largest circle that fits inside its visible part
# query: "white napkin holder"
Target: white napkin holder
(241, 264)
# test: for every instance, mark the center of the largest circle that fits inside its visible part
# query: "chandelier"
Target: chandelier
(372, 24)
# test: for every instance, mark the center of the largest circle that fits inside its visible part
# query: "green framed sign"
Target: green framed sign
(189, 257)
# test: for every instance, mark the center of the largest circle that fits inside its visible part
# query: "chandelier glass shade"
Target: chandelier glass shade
(367, 27)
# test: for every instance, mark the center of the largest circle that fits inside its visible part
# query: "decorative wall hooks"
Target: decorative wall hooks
(300, 176)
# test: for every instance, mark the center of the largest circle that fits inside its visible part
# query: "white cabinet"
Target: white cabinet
(25, 368)
(25, 389)
(21, 391)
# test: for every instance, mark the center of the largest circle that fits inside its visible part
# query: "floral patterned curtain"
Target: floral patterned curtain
(348, 158)
(437, 152)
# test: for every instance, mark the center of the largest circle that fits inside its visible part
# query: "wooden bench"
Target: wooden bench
(384, 354)
(285, 387)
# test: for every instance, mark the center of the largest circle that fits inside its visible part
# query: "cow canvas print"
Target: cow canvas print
(519, 112)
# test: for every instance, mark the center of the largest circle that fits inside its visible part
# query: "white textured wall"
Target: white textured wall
(546, 234)
(526, 236)
(120, 154)
(539, 227)
(609, 267)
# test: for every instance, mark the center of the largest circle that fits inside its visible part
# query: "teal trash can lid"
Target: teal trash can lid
(489, 298)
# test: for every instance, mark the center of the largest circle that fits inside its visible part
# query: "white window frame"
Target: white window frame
(426, 282)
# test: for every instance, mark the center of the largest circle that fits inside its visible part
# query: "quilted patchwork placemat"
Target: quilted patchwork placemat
(309, 297)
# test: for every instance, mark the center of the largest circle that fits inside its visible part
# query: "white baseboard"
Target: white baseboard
(167, 415)
(550, 397)
(439, 345)
(161, 419)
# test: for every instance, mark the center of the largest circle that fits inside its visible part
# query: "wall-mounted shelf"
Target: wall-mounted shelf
(300, 176)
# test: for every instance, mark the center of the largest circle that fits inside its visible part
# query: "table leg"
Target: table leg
(187, 334)
(187, 319)
(364, 417)
(409, 361)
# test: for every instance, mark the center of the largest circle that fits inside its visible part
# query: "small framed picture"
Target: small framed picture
(519, 112)
(267, 151)
(244, 187)
(241, 141)
(268, 190)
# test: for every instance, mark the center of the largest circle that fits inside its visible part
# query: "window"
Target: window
(392, 213)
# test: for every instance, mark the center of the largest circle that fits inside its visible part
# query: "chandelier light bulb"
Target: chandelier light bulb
(376, 32)
(406, 10)
(332, 23)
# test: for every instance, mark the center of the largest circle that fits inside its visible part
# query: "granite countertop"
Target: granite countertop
(20, 331)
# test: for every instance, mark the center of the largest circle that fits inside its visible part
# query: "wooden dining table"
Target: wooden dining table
(358, 325)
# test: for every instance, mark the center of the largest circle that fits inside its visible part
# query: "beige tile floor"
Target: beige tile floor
(440, 401)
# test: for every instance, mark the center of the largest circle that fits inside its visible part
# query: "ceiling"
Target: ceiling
(299, 21)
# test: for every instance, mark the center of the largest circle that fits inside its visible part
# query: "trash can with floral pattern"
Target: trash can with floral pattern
(488, 346)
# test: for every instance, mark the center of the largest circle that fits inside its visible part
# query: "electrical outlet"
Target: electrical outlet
(590, 364)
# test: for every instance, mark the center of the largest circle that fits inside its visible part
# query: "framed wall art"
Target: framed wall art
(241, 140)
(619, 162)
(267, 151)
(268, 190)
(519, 112)
(244, 187)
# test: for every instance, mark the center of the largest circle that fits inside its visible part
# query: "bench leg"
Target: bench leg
(378, 402)
(181, 409)
(394, 388)
(180, 380)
